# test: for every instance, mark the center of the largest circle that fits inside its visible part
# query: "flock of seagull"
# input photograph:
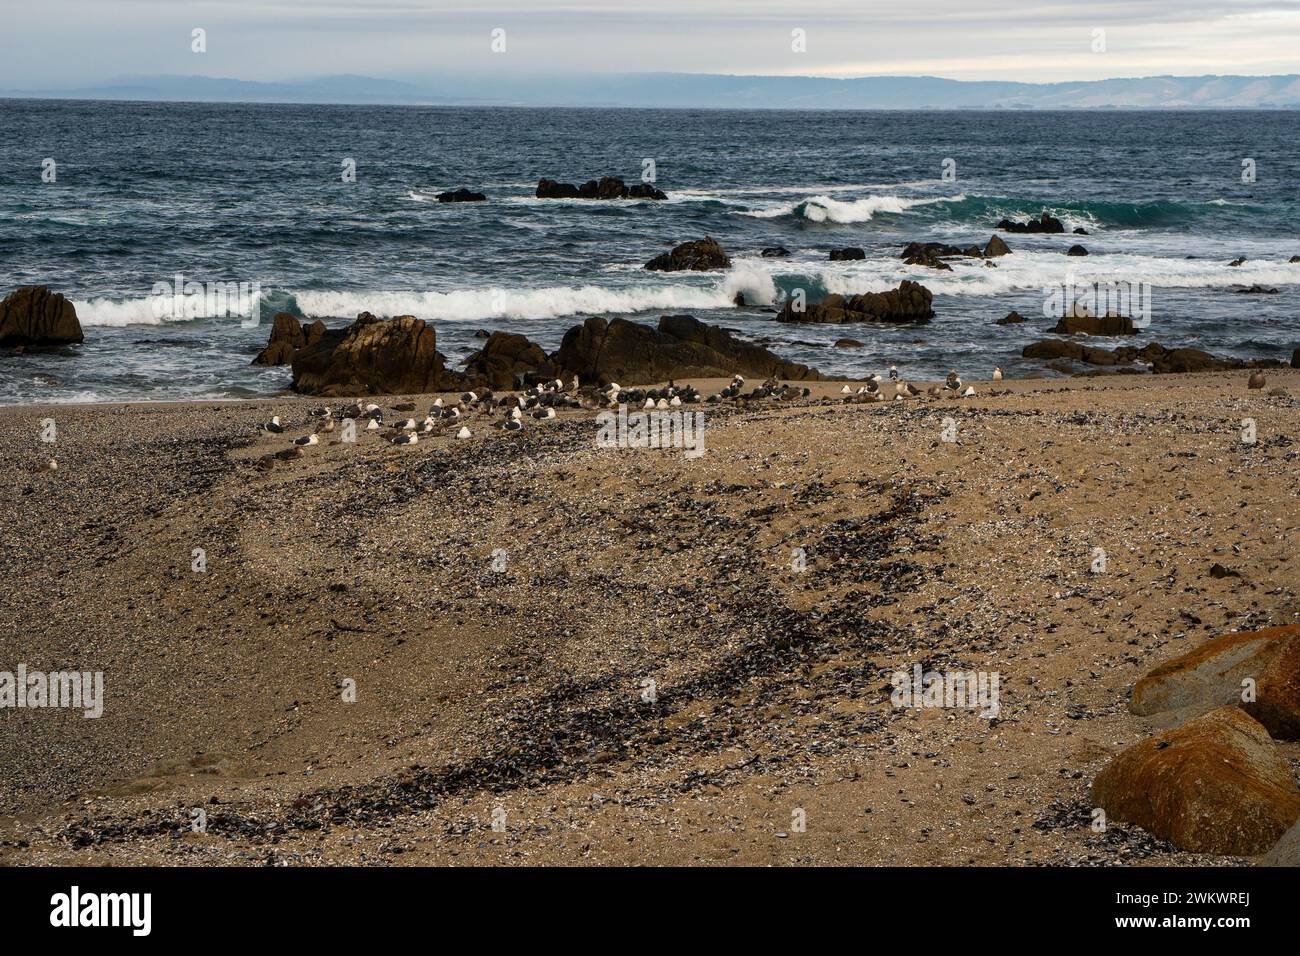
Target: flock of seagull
(507, 412)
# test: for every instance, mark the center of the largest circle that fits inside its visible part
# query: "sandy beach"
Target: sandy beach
(522, 648)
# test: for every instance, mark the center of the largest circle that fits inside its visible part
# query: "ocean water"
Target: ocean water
(255, 194)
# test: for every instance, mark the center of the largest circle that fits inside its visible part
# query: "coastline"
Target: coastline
(523, 688)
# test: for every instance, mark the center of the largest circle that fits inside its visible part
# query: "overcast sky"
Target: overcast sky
(47, 44)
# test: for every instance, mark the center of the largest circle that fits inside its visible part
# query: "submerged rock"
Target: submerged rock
(849, 254)
(1043, 223)
(461, 195)
(699, 255)
(910, 302)
(33, 315)
(607, 187)
(1217, 784)
(1084, 324)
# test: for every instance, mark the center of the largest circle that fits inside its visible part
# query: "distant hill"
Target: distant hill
(714, 91)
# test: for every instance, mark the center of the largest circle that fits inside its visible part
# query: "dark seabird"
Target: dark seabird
(306, 440)
(274, 425)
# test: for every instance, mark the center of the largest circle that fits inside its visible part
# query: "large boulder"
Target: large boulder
(1043, 223)
(374, 357)
(910, 302)
(601, 351)
(550, 189)
(33, 315)
(1213, 675)
(1053, 349)
(503, 361)
(699, 255)
(1080, 323)
(1187, 360)
(848, 254)
(1217, 784)
(1286, 852)
(288, 335)
(996, 247)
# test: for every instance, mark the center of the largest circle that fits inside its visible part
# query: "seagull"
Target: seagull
(406, 439)
(846, 390)
(513, 425)
(649, 403)
(469, 398)
(1256, 379)
(871, 388)
(372, 425)
(912, 389)
(893, 373)
(997, 374)
(464, 432)
(406, 424)
(274, 425)
(953, 382)
(932, 391)
(970, 392)
(306, 440)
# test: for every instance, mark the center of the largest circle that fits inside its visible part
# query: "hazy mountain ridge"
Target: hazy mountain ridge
(714, 91)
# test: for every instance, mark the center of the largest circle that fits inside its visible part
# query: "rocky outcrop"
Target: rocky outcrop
(504, 361)
(1012, 318)
(1256, 290)
(1217, 784)
(775, 252)
(910, 302)
(1162, 360)
(699, 255)
(930, 255)
(1215, 675)
(1043, 223)
(1076, 251)
(607, 187)
(374, 357)
(461, 195)
(847, 255)
(1095, 325)
(601, 351)
(288, 335)
(33, 315)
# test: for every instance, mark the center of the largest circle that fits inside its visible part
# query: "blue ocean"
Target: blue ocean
(258, 194)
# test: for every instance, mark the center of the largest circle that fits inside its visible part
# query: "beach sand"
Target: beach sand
(521, 695)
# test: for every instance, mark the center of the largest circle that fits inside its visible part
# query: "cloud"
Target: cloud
(976, 39)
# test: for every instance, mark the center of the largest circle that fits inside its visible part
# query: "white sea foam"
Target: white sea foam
(823, 208)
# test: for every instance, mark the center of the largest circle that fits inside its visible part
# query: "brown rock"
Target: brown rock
(1054, 349)
(33, 315)
(601, 351)
(1286, 852)
(286, 338)
(1217, 784)
(1014, 318)
(698, 255)
(374, 357)
(1212, 675)
(503, 361)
